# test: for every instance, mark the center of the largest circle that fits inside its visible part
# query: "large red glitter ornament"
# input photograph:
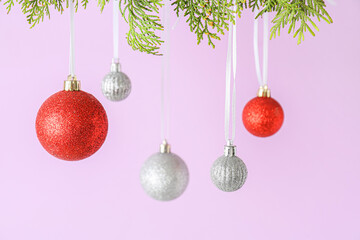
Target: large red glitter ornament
(71, 125)
(263, 116)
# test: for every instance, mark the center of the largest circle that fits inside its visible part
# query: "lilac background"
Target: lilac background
(303, 182)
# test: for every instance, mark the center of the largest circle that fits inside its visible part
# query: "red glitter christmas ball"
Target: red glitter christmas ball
(71, 125)
(263, 116)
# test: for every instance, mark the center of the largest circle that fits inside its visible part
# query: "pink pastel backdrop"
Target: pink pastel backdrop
(303, 182)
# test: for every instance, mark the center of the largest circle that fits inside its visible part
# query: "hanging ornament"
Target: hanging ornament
(116, 85)
(164, 176)
(262, 116)
(71, 124)
(229, 172)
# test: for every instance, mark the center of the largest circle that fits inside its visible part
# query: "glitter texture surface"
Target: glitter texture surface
(263, 116)
(116, 86)
(71, 125)
(164, 176)
(228, 173)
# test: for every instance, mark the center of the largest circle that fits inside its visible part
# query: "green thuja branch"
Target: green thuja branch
(289, 13)
(206, 18)
(36, 10)
(8, 4)
(211, 17)
(142, 17)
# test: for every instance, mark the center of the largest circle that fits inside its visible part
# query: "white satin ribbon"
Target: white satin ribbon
(230, 101)
(72, 40)
(264, 78)
(165, 76)
(116, 31)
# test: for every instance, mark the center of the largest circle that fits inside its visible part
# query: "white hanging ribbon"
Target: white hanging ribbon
(116, 31)
(264, 78)
(176, 23)
(165, 80)
(231, 59)
(72, 40)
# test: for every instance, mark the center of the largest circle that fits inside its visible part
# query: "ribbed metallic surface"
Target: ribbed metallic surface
(228, 173)
(116, 86)
(164, 176)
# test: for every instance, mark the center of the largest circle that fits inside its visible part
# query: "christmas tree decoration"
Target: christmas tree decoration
(71, 124)
(229, 173)
(207, 19)
(164, 176)
(262, 116)
(116, 85)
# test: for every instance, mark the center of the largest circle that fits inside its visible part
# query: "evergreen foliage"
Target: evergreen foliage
(206, 18)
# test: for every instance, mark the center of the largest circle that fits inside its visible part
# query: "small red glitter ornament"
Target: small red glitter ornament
(263, 116)
(71, 124)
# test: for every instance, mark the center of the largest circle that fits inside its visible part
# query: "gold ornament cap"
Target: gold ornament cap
(264, 91)
(71, 84)
(165, 147)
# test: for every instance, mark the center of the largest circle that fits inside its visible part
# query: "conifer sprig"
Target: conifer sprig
(206, 18)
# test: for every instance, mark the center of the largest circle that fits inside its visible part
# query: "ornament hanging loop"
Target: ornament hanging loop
(165, 76)
(72, 39)
(262, 76)
(116, 31)
(230, 95)
(115, 66)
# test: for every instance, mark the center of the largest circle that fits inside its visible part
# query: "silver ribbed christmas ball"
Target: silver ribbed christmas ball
(116, 85)
(229, 172)
(164, 176)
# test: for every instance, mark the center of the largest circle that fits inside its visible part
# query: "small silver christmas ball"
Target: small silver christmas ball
(116, 85)
(229, 172)
(164, 176)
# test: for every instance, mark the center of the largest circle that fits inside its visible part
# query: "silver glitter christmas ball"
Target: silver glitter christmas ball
(229, 172)
(164, 176)
(116, 85)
